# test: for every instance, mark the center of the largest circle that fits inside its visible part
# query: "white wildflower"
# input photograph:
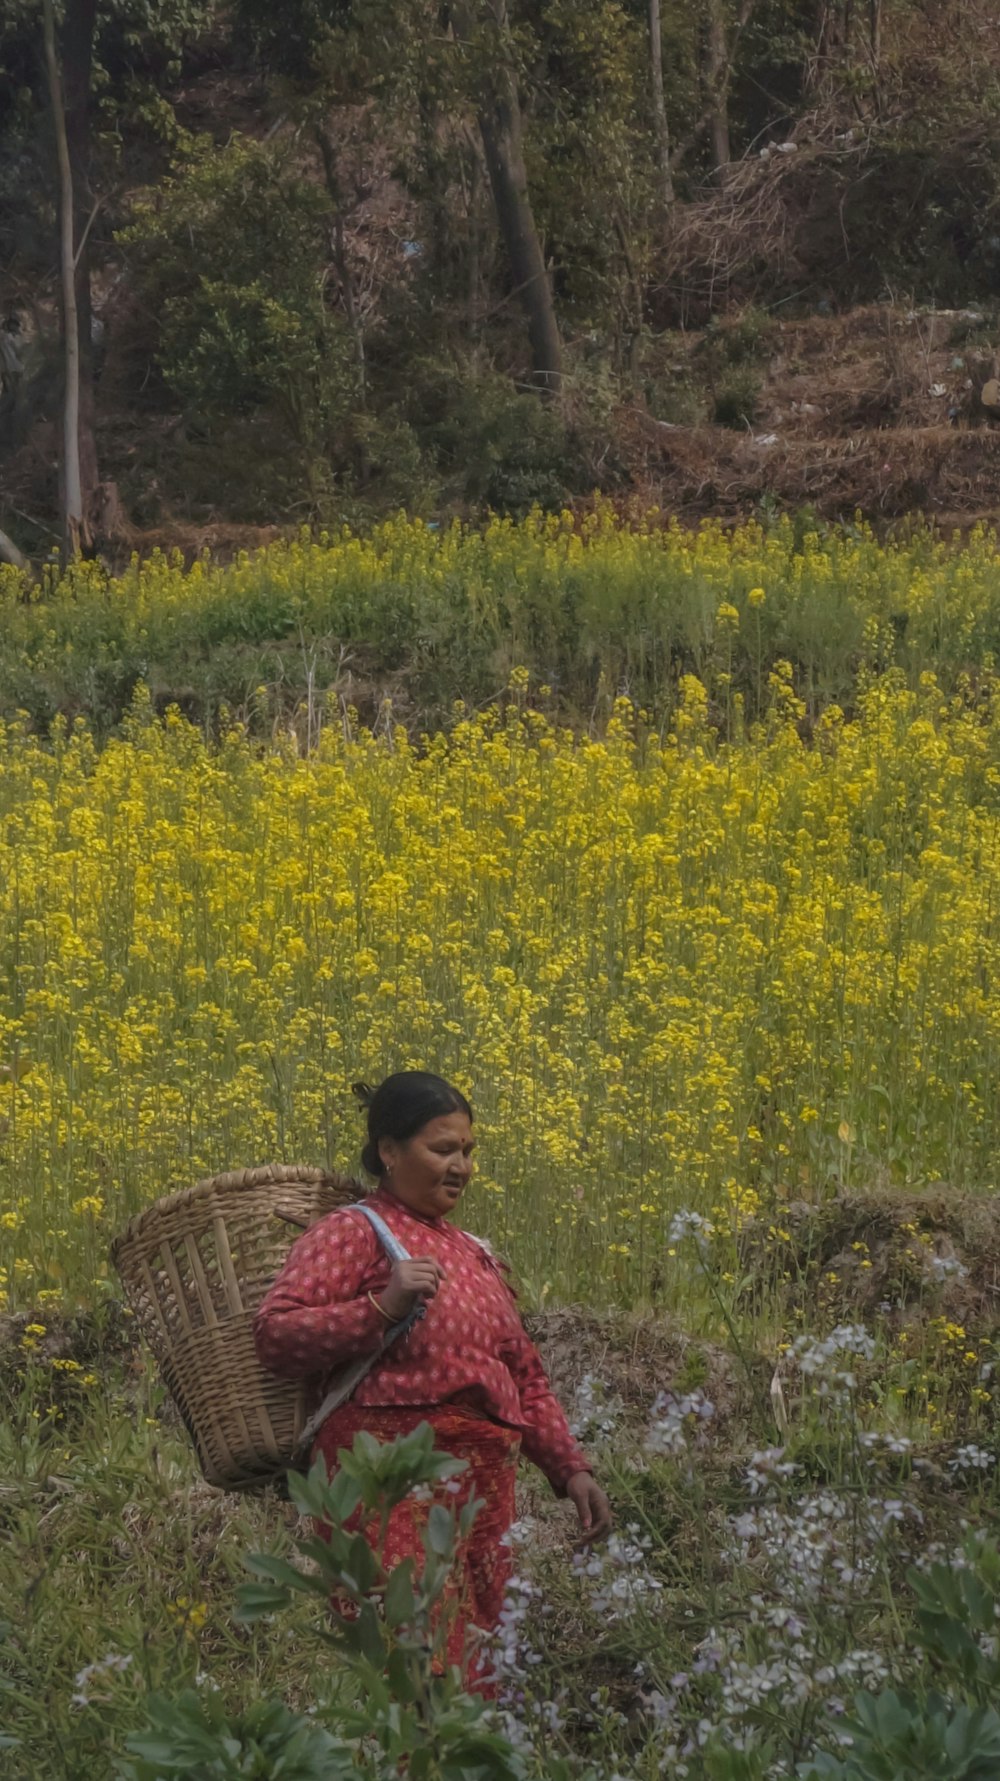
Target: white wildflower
(766, 1467)
(111, 1665)
(674, 1419)
(971, 1458)
(595, 1411)
(690, 1224)
(947, 1267)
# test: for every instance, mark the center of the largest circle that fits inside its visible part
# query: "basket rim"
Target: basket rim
(261, 1175)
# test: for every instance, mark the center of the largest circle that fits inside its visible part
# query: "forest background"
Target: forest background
(347, 258)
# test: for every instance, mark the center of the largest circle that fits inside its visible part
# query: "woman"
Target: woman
(467, 1367)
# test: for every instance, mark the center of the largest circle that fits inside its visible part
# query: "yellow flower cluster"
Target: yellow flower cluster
(188, 1615)
(670, 970)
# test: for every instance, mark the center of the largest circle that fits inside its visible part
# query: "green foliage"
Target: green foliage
(893, 1735)
(593, 177)
(192, 1736)
(731, 353)
(491, 445)
(723, 1763)
(937, 1737)
(399, 1703)
(230, 252)
(745, 340)
(736, 399)
(958, 1613)
(587, 607)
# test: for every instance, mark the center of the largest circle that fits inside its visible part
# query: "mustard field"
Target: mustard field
(713, 963)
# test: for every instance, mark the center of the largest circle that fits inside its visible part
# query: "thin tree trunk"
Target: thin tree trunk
(717, 69)
(875, 50)
(660, 106)
(715, 86)
(501, 129)
(72, 498)
(9, 553)
(474, 271)
(342, 261)
(500, 126)
(77, 43)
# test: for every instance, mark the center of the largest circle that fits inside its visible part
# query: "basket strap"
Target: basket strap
(350, 1377)
(392, 1246)
(396, 1252)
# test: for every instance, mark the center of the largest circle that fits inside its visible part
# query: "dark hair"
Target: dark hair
(402, 1105)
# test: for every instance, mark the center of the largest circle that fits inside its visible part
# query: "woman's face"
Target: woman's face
(430, 1171)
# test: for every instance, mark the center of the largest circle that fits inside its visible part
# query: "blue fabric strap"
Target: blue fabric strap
(392, 1246)
(396, 1253)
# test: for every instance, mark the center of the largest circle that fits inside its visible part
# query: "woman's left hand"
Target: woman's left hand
(592, 1507)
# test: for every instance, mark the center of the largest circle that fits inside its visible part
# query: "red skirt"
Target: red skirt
(475, 1595)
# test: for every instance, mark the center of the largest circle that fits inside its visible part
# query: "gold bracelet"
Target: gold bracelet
(373, 1300)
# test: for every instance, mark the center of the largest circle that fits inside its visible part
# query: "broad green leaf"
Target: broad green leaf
(440, 1531)
(399, 1599)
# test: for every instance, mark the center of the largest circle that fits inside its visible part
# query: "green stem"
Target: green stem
(758, 1399)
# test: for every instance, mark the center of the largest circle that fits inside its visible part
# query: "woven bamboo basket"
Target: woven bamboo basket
(195, 1267)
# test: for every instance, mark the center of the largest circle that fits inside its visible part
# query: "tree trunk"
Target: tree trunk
(875, 50)
(660, 106)
(341, 260)
(9, 553)
(716, 79)
(72, 500)
(77, 43)
(501, 129)
(474, 274)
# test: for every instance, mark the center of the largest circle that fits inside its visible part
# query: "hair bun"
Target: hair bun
(362, 1093)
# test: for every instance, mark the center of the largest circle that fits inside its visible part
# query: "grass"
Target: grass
(423, 616)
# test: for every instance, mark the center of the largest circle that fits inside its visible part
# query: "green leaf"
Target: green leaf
(264, 1564)
(309, 1494)
(440, 1531)
(360, 1570)
(400, 1679)
(254, 1600)
(399, 1599)
(371, 1638)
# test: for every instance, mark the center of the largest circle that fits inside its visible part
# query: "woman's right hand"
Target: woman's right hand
(418, 1278)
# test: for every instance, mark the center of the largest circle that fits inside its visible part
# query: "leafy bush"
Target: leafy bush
(227, 252)
(493, 446)
(395, 1701)
(736, 399)
(893, 1735)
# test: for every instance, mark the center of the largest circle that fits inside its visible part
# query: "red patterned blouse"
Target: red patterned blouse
(470, 1349)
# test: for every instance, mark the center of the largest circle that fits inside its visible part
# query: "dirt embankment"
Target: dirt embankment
(878, 411)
